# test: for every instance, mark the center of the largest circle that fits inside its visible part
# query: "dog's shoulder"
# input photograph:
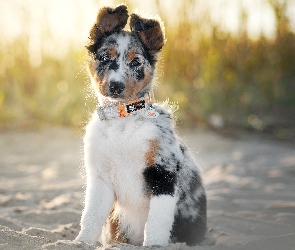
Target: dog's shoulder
(165, 121)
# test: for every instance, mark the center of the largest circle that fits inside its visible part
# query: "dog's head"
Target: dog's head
(122, 62)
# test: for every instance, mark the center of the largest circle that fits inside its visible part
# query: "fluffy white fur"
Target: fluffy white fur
(114, 159)
(160, 220)
(99, 200)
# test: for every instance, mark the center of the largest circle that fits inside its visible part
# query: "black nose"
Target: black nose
(116, 88)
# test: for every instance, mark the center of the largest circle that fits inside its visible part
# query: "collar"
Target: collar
(120, 109)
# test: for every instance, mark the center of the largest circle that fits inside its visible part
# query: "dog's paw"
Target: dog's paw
(85, 239)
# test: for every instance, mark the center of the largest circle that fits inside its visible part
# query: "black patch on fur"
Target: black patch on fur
(182, 148)
(139, 73)
(164, 131)
(114, 65)
(159, 181)
(191, 230)
(101, 67)
(92, 48)
(178, 166)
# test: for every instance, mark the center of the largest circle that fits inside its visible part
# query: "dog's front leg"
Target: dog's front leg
(160, 220)
(98, 203)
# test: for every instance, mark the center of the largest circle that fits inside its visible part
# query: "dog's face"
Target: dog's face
(122, 62)
(120, 67)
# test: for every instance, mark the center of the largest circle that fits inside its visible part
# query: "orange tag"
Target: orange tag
(151, 112)
(122, 111)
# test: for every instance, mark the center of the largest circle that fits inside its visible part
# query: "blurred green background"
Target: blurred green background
(226, 63)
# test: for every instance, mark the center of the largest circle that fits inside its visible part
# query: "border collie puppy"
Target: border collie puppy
(143, 185)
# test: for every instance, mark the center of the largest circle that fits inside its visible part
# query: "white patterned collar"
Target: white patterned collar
(121, 109)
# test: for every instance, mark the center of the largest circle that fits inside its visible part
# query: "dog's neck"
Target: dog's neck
(110, 108)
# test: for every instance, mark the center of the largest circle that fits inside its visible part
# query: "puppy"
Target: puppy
(143, 185)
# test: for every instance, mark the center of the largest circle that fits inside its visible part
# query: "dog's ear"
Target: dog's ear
(149, 31)
(109, 20)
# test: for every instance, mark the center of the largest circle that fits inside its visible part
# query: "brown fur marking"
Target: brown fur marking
(130, 55)
(114, 227)
(102, 85)
(132, 89)
(112, 51)
(129, 91)
(151, 153)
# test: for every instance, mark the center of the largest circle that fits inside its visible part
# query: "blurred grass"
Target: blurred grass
(246, 83)
(53, 92)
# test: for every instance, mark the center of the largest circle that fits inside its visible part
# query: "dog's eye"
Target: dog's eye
(104, 57)
(135, 62)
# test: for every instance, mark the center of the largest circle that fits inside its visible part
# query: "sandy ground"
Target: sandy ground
(250, 185)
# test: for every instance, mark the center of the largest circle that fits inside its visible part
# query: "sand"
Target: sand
(250, 182)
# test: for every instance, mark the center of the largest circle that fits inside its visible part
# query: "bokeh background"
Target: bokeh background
(227, 63)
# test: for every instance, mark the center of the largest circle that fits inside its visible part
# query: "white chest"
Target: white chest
(115, 151)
